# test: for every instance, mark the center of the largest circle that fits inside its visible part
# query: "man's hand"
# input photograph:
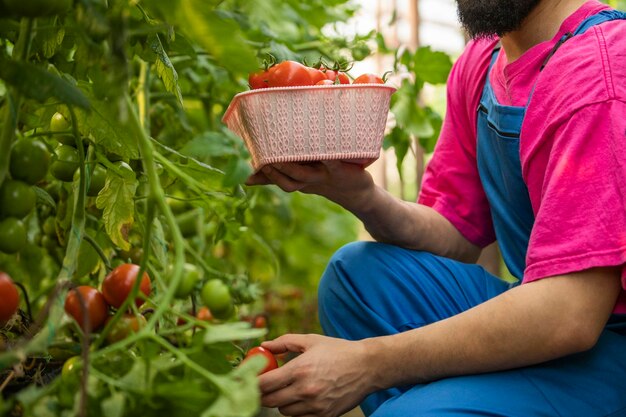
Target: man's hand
(345, 183)
(327, 379)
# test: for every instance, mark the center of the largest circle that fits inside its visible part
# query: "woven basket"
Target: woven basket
(312, 123)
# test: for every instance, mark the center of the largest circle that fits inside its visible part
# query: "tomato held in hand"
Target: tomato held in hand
(289, 74)
(258, 79)
(30, 160)
(9, 296)
(90, 299)
(269, 357)
(368, 79)
(118, 284)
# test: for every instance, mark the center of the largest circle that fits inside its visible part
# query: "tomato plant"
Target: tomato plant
(118, 284)
(9, 296)
(35, 8)
(271, 362)
(87, 300)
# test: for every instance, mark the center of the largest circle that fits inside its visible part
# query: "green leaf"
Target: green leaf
(114, 405)
(109, 126)
(237, 171)
(429, 142)
(239, 393)
(231, 331)
(41, 85)
(221, 37)
(409, 115)
(116, 201)
(44, 198)
(158, 243)
(165, 69)
(431, 66)
(209, 144)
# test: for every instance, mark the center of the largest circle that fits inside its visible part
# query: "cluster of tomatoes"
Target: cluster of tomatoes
(292, 73)
(90, 307)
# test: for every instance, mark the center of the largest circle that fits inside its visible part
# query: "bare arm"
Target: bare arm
(385, 217)
(530, 324)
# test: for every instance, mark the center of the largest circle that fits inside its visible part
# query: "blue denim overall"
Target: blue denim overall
(371, 289)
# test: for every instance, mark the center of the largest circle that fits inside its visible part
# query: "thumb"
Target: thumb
(297, 343)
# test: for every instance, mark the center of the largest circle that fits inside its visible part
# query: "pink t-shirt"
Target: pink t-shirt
(572, 148)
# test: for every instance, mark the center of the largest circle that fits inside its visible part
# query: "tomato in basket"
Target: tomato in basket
(289, 74)
(258, 79)
(332, 75)
(368, 79)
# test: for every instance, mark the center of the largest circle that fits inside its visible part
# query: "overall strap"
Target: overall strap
(596, 19)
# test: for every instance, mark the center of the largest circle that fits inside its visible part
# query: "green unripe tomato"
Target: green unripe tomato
(65, 164)
(30, 160)
(17, 199)
(191, 277)
(58, 123)
(12, 235)
(36, 8)
(49, 227)
(216, 296)
(71, 368)
(96, 181)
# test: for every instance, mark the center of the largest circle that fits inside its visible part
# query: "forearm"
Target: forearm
(530, 324)
(411, 225)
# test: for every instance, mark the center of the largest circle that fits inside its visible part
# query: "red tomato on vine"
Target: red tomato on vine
(90, 299)
(9, 296)
(333, 75)
(118, 284)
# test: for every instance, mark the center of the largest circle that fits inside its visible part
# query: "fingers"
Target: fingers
(282, 180)
(275, 382)
(297, 343)
(258, 178)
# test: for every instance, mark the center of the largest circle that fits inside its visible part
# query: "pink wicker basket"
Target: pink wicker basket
(311, 123)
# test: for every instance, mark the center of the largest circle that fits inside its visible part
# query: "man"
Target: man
(533, 154)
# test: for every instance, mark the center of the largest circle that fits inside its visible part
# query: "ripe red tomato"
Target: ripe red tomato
(368, 79)
(97, 308)
(261, 351)
(325, 82)
(259, 321)
(9, 296)
(258, 79)
(288, 74)
(204, 314)
(332, 75)
(316, 75)
(117, 285)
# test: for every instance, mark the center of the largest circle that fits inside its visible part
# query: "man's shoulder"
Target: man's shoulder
(474, 61)
(588, 68)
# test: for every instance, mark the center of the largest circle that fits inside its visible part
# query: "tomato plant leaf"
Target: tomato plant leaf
(114, 406)
(39, 84)
(116, 201)
(44, 198)
(240, 393)
(108, 126)
(231, 331)
(165, 68)
(431, 66)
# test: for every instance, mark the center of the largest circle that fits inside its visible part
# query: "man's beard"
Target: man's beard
(486, 18)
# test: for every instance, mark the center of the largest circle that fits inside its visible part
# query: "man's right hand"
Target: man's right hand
(345, 183)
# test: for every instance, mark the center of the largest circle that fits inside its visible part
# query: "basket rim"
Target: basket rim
(238, 96)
